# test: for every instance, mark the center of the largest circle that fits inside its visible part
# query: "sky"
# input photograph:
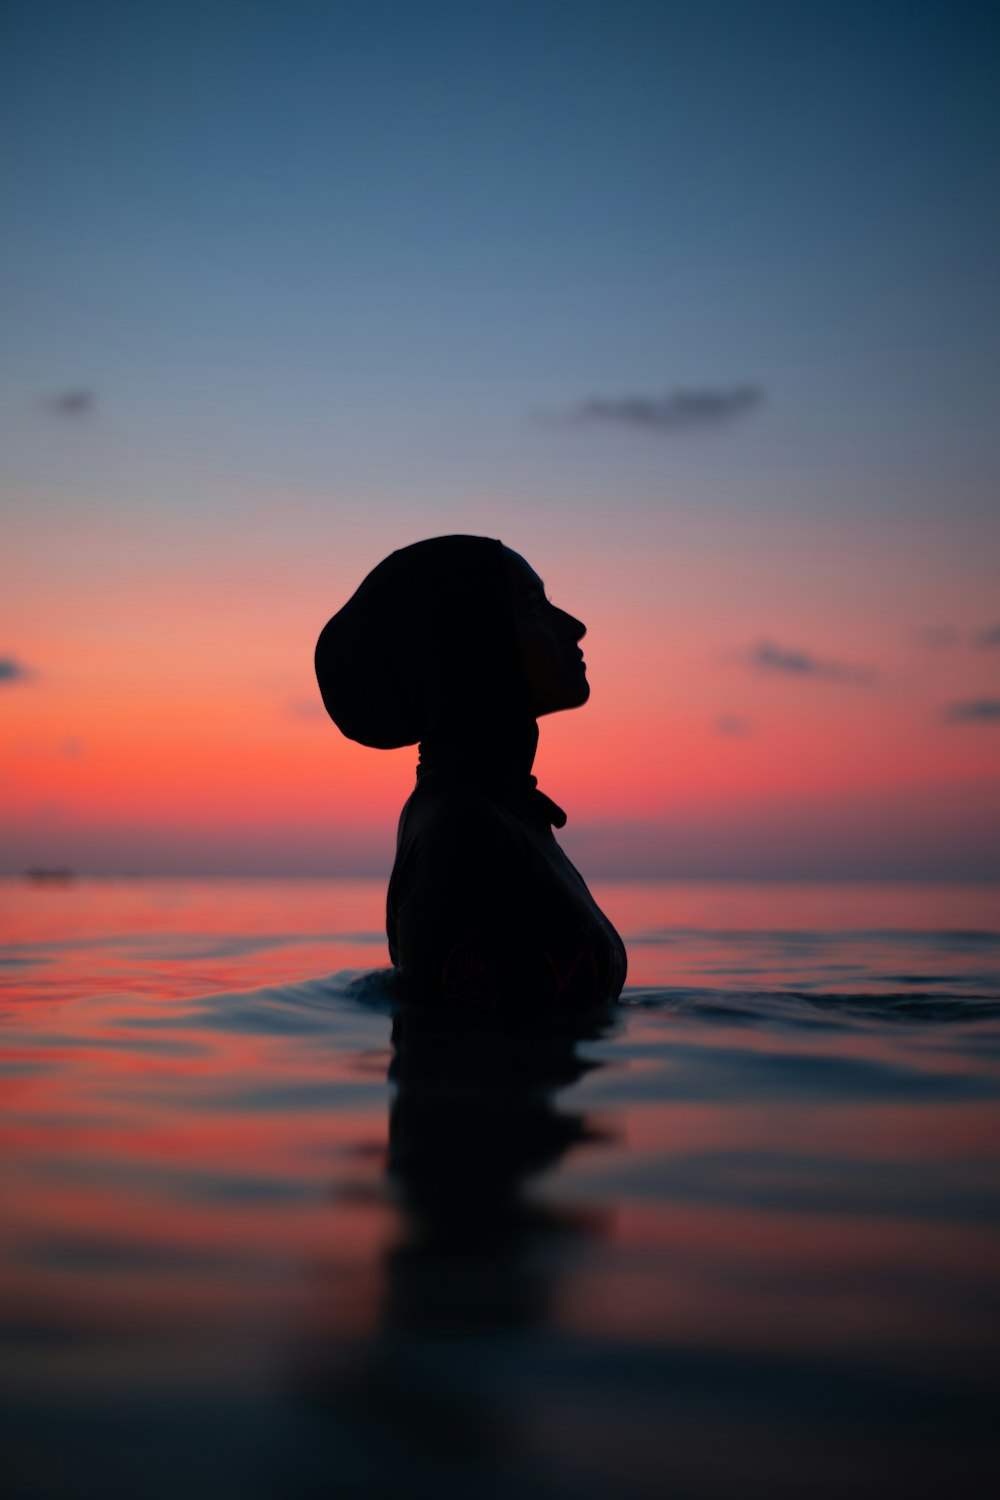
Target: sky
(694, 305)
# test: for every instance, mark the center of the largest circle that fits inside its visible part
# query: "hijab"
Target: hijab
(426, 651)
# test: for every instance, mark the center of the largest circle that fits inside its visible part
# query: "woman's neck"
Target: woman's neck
(488, 755)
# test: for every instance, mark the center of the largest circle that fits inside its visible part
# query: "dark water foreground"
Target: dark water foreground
(740, 1237)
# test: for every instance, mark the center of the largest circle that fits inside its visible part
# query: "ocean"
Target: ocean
(262, 1237)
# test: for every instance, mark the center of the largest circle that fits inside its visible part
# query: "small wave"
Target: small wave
(307, 1005)
(805, 1007)
(956, 939)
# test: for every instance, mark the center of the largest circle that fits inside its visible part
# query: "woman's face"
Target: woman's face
(547, 639)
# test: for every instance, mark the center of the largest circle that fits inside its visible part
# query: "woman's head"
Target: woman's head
(448, 639)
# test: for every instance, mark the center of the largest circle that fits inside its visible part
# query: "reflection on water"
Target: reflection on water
(474, 1267)
(265, 1238)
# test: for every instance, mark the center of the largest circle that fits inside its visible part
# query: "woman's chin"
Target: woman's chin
(574, 697)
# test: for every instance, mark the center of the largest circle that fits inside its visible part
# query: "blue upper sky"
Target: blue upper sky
(350, 245)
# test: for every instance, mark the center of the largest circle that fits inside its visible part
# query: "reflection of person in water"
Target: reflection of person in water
(453, 643)
(423, 1399)
(473, 1118)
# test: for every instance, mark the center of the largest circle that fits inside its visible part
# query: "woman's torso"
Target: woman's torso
(485, 909)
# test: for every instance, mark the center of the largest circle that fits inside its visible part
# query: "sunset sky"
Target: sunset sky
(695, 305)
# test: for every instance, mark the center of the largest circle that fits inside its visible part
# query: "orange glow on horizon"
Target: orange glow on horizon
(171, 691)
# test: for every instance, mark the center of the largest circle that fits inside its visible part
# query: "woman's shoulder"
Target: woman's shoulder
(456, 851)
(443, 806)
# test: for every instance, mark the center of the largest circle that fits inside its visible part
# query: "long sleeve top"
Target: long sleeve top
(485, 910)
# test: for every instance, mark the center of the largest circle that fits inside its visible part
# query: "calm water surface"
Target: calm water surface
(263, 1238)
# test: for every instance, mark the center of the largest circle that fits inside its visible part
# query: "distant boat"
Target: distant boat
(50, 875)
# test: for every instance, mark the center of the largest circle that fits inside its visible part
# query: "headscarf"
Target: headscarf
(426, 650)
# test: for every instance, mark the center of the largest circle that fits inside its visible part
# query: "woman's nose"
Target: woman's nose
(575, 627)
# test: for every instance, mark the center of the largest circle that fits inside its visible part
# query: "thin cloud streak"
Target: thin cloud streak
(733, 726)
(974, 711)
(684, 410)
(768, 656)
(305, 710)
(13, 671)
(71, 405)
(939, 637)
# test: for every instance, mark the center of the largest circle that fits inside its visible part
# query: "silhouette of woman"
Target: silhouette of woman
(452, 642)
